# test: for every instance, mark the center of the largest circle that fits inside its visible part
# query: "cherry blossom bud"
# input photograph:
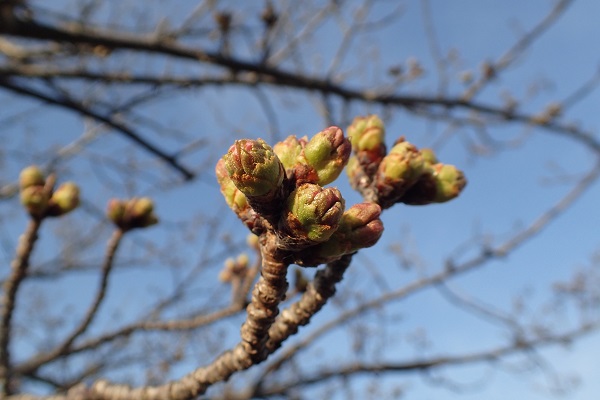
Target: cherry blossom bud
(327, 153)
(64, 199)
(31, 176)
(441, 183)
(234, 198)
(450, 181)
(35, 199)
(313, 213)
(289, 150)
(366, 133)
(254, 168)
(398, 171)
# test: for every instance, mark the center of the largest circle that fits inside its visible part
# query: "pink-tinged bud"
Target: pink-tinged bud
(450, 181)
(64, 199)
(441, 183)
(312, 213)
(31, 176)
(360, 227)
(366, 133)
(328, 152)
(398, 172)
(289, 150)
(254, 168)
(235, 199)
(35, 199)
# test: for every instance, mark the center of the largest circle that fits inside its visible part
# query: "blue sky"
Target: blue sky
(507, 190)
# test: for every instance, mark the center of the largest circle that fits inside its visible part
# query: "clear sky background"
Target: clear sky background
(507, 190)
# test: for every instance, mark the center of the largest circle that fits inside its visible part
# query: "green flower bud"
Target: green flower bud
(31, 176)
(140, 208)
(360, 227)
(328, 152)
(64, 199)
(429, 156)
(289, 150)
(404, 164)
(35, 199)
(450, 181)
(398, 172)
(132, 213)
(440, 183)
(313, 213)
(115, 211)
(235, 199)
(254, 168)
(366, 133)
(139, 213)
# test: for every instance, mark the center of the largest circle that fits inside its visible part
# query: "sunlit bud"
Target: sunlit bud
(450, 181)
(288, 151)
(242, 260)
(234, 198)
(253, 167)
(366, 133)
(398, 171)
(404, 163)
(252, 241)
(328, 152)
(31, 176)
(313, 212)
(115, 211)
(227, 273)
(439, 184)
(429, 156)
(132, 213)
(139, 212)
(361, 225)
(35, 200)
(64, 199)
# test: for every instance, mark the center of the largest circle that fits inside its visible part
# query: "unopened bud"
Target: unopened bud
(360, 227)
(132, 213)
(31, 176)
(115, 211)
(35, 200)
(328, 152)
(441, 183)
(252, 241)
(313, 213)
(254, 168)
(366, 133)
(64, 199)
(398, 171)
(429, 156)
(450, 181)
(289, 150)
(235, 199)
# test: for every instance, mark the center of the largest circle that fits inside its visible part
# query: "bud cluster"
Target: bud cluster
(404, 175)
(137, 212)
(41, 199)
(281, 188)
(288, 180)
